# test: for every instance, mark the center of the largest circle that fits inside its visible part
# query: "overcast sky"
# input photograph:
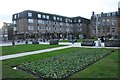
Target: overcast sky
(70, 8)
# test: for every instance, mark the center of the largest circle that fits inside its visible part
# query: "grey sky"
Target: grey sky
(70, 8)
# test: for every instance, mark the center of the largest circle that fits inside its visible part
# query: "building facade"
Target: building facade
(105, 24)
(119, 18)
(6, 31)
(34, 24)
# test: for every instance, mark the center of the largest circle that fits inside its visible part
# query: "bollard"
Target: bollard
(26, 42)
(13, 42)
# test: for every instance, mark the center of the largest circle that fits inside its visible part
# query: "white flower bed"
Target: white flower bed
(63, 65)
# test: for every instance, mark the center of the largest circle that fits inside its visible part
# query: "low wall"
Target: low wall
(112, 43)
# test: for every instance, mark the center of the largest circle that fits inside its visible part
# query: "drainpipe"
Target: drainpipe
(96, 25)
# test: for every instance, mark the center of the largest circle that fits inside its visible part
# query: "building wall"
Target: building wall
(7, 31)
(118, 19)
(47, 24)
(107, 24)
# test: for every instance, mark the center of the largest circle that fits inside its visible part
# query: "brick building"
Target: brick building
(7, 31)
(34, 24)
(105, 24)
(119, 18)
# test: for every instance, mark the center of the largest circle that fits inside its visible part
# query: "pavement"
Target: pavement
(16, 43)
(67, 45)
(32, 52)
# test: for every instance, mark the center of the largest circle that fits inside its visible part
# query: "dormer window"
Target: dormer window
(39, 15)
(54, 17)
(79, 20)
(29, 14)
(15, 16)
(47, 17)
(43, 16)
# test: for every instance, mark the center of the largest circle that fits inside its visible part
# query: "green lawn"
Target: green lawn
(78, 40)
(64, 41)
(7, 50)
(107, 67)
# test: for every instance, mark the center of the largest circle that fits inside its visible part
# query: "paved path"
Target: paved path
(30, 53)
(16, 43)
(48, 50)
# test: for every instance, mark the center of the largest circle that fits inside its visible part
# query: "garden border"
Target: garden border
(64, 77)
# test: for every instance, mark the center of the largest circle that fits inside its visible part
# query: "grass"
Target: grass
(64, 65)
(7, 50)
(99, 69)
(64, 41)
(78, 40)
(105, 68)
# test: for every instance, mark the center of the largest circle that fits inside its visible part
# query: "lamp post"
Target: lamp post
(13, 40)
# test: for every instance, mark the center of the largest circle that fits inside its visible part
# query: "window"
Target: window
(77, 24)
(74, 20)
(113, 22)
(29, 14)
(30, 20)
(108, 20)
(47, 17)
(98, 22)
(18, 15)
(99, 15)
(113, 29)
(6, 31)
(43, 16)
(30, 27)
(39, 27)
(103, 20)
(47, 28)
(40, 21)
(39, 15)
(55, 28)
(80, 29)
(80, 24)
(113, 14)
(60, 19)
(15, 16)
(67, 24)
(108, 29)
(14, 29)
(79, 20)
(14, 22)
(108, 14)
(57, 18)
(71, 21)
(67, 29)
(55, 23)
(43, 22)
(54, 18)
(66, 20)
(47, 22)
(61, 23)
(60, 29)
